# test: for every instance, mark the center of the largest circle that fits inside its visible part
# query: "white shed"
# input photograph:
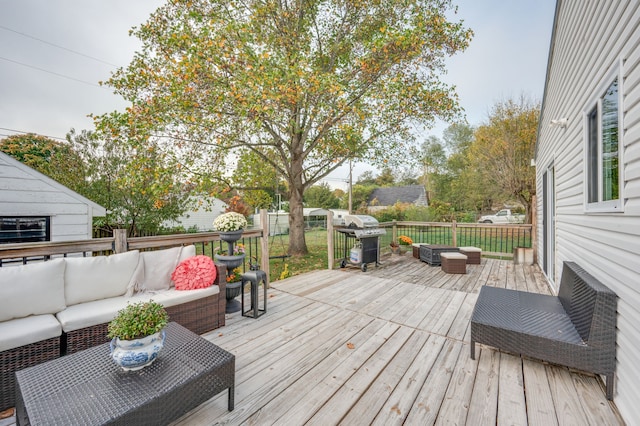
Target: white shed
(200, 217)
(588, 165)
(34, 207)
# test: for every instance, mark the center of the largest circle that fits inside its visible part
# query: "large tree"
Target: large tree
(502, 150)
(304, 84)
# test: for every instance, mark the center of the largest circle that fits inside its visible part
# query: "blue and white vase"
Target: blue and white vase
(136, 354)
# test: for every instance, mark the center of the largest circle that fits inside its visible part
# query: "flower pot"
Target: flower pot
(231, 236)
(232, 261)
(233, 290)
(133, 355)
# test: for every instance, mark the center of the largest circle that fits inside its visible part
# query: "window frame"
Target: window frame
(600, 206)
(27, 239)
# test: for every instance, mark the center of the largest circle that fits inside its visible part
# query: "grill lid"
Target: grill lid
(360, 221)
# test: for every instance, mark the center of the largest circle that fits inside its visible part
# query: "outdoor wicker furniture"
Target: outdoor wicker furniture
(89, 388)
(473, 254)
(453, 263)
(576, 329)
(430, 253)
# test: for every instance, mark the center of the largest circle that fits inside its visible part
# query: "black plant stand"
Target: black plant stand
(231, 261)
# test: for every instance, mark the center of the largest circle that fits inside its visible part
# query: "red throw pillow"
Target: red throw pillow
(194, 272)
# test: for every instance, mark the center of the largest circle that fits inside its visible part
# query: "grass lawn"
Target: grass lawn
(316, 258)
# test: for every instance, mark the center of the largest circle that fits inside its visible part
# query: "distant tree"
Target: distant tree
(321, 196)
(385, 178)
(366, 178)
(256, 180)
(57, 160)
(360, 198)
(432, 159)
(306, 85)
(502, 150)
(137, 183)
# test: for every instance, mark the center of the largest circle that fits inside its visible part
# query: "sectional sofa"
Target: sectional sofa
(49, 309)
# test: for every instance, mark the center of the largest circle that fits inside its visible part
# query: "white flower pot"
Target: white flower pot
(133, 355)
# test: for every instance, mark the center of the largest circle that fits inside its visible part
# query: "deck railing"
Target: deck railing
(494, 240)
(255, 242)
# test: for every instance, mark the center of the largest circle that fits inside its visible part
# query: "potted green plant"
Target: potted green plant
(137, 334)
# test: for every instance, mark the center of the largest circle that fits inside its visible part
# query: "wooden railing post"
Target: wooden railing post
(454, 233)
(264, 242)
(330, 242)
(120, 240)
(394, 231)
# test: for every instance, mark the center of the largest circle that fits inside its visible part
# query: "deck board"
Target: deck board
(390, 346)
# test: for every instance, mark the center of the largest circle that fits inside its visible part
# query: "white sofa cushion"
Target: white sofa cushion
(102, 311)
(157, 279)
(96, 312)
(98, 277)
(187, 251)
(33, 289)
(174, 297)
(158, 266)
(24, 331)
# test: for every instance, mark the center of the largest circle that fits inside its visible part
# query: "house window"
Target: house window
(603, 151)
(15, 229)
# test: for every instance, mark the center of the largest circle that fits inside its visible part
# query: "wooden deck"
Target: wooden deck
(390, 346)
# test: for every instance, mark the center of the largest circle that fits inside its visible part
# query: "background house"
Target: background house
(381, 198)
(199, 218)
(34, 207)
(588, 164)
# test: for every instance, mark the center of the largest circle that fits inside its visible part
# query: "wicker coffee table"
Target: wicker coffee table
(430, 253)
(89, 388)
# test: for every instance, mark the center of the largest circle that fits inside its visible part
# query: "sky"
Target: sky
(53, 53)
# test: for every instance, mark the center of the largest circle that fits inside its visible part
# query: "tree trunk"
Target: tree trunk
(297, 243)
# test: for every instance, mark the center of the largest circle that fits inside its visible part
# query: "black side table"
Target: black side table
(255, 278)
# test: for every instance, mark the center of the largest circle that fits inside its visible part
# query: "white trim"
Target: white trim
(610, 206)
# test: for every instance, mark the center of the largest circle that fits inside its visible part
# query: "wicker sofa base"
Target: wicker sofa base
(19, 358)
(198, 316)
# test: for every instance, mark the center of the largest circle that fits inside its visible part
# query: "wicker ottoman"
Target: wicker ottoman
(416, 250)
(453, 263)
(473, 254)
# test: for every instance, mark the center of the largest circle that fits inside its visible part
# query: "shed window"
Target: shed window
(603, 151)
(16, 229)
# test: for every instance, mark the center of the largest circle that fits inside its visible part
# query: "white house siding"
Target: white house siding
(26, 192)
(590, 39)
(200, 218)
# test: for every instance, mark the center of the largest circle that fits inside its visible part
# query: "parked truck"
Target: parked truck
(503, 216)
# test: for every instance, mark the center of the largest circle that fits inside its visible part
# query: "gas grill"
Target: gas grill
(364, 230)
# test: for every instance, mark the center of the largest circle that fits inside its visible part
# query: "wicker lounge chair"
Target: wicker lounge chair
(576, 329)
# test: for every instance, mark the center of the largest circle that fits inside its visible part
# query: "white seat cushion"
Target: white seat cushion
(452, 255)
(471, 249)
(95, 312)
(174, 297)
(24, 331)
(33, 289)
(102, 311)
(98, 277)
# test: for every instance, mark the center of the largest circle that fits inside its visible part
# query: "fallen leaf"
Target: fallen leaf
(351, 345)
(6, 413)
(220, 334)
